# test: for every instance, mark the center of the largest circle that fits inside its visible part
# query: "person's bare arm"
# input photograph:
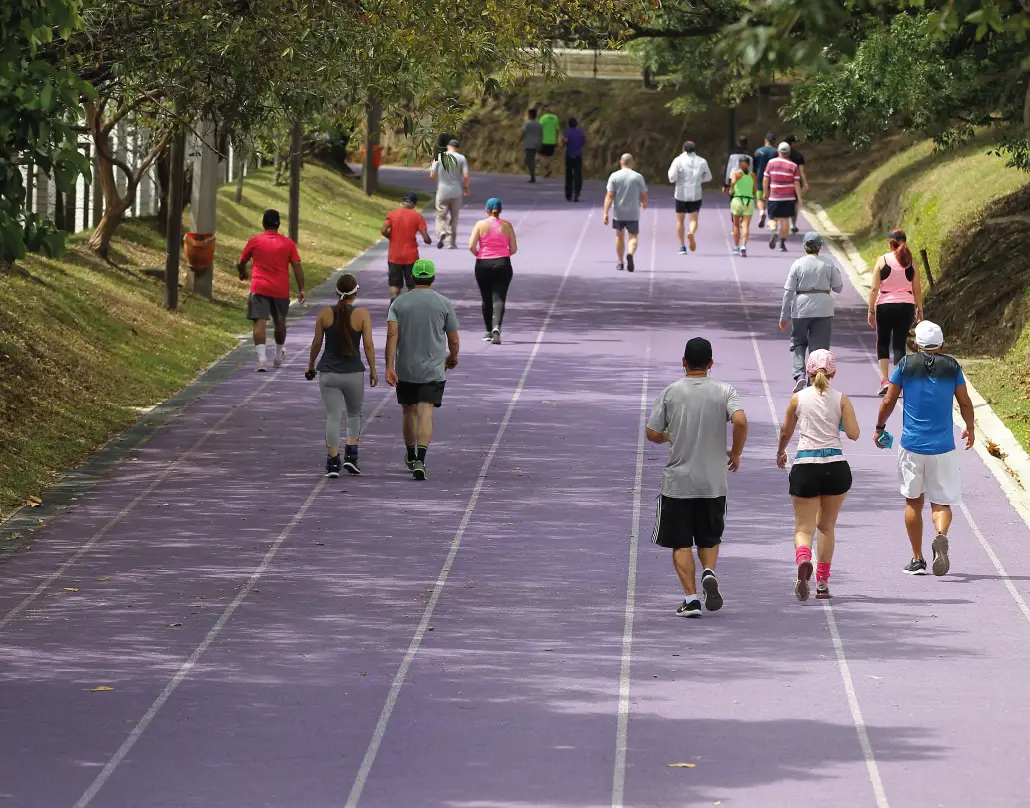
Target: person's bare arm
(849, 419)
(385, 230)
(790, 422)
(512, 243)
(965, 408)
(316, 343)
(643, 201)
(298, 273)
(608, 199)
(890, 401)
(474, 240)
(739, 421)
(804, 178)
(917, 292)
(452, 350)
(370, 348)
(241, 268)
(465, 180)
(797, 192)
(655, 436)
(874, 293)
(425, 234)
(391, 353)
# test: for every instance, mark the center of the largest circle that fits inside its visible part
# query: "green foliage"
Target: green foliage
(39, 107)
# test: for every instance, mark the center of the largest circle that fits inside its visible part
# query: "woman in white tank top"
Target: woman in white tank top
(820, 477)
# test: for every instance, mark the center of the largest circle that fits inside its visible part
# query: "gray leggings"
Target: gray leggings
(808, 334)
(342, 391)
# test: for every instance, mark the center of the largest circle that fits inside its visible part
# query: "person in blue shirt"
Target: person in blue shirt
(762, 157)
(927, 460)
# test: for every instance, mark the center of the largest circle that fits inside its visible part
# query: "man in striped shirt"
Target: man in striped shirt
(782, 189)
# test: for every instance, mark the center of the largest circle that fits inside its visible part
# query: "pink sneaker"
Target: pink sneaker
(884, 386)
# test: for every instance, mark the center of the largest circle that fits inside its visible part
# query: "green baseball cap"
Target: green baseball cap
(423, 269)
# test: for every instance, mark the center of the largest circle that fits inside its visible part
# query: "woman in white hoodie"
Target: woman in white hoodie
(688, 172)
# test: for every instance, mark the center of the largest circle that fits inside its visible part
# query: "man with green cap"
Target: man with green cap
(421, 346)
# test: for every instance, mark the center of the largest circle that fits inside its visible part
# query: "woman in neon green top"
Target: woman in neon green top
(742, 205)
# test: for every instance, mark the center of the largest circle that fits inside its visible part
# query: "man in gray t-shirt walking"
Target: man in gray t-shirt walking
(421, 346)
(451, 172)
(691, 415)
(532, 140)
(627, 193)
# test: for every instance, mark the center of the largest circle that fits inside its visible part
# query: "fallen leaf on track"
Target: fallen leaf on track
(101, 689)
(175, 625)
(71, 589)
(33, 502)
(681, 765)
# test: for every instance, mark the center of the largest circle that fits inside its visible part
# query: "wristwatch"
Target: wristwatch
(881, 427)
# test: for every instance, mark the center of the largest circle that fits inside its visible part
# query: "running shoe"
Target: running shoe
(332, 466)
(772, 242)
(884, 387)
(801, 585)
(689, 608)
(452, 246)
(793, 228)
(261, 367)
(495, 336)
(439, 243)
(619, 267)
(915, 567)
(735, 250)
(350, 465)
(743, 251)
(941, 563)
(487, 337)
(575, 198)
(800, 384)
(683, 250)
(409, 462)
(710, 587)
(761, 221)
(278, 361)
(629, 262)
(418, 470)
(822, 590)
(783, 246)
(692, 241)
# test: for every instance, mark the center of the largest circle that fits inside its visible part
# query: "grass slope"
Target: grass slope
(85, 345)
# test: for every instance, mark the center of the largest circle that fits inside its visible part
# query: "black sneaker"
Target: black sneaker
(761, 221)
(822, 590)
(409, 462)
(575, 198)
(772, 241)
(332, 466)
(350, 465)
(710, 587)
(439, 244)
(689, 608)
(620, 267)
(801, 585)
(915, 567)
(783, 246)
(629, 262)
(418, 470)
(941, 563)
(793, 228)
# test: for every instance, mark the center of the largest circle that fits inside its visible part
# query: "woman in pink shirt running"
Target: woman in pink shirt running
(493, 243)
(895, 303)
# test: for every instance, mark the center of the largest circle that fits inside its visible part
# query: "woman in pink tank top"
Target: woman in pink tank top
(895, 303)
(493, 243)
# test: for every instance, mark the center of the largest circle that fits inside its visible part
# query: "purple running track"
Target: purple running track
(503, 635)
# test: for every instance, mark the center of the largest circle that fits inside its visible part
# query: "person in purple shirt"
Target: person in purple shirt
(574, 139)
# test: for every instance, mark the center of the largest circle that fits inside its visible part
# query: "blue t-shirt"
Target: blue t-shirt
(576, 138)
(762, 158)
(929, 382)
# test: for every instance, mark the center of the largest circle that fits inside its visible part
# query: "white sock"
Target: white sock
(278, 351)
(261, 352)
(691, 598)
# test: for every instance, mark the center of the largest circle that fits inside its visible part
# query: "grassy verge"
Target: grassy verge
(84, 345)
(931, 195)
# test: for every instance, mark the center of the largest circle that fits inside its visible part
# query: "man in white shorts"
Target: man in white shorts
(927, 460)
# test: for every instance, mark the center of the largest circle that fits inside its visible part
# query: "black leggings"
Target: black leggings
(494, 277)
(893, 322)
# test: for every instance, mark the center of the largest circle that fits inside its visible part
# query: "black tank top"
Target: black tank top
(333, 360)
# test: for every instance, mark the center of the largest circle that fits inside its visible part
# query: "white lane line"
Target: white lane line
(838, 644)
(625, 667)
(416, 641)
(191, 662)
(48, 581)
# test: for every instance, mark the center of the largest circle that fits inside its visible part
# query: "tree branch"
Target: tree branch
(638, 32)
(126, 109)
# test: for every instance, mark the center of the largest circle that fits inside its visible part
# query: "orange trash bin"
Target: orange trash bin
(200, 250)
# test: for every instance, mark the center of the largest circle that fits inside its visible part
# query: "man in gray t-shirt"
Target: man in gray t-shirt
(451, 172)
(808, 305)
(421, 346)
(627, 194)
(691, 415)
(532, 140)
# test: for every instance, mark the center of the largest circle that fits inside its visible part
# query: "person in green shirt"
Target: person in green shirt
(550, 126)
(742, 204)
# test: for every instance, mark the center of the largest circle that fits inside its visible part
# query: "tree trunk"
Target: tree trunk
(242, 160)
(100, 241)
(162, 192)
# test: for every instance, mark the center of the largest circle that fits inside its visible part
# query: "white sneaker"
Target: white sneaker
(800, 384)
(736, 250)
(487, 337)
(278, 361)
(261, 367)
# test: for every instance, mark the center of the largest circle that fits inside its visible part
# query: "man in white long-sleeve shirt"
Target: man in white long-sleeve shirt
(688, 172)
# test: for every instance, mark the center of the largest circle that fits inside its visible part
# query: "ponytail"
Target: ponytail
(821, 381)
(345, 286)
(899, 246)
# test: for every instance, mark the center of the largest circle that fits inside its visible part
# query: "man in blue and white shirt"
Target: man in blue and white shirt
(928, 462)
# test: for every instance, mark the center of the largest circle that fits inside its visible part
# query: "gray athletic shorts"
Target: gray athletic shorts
(261, 307)
(632, 227)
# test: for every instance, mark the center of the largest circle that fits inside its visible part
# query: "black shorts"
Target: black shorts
(261, 307)
(632, 227)
(411, 393)
(781, 209)
(400, 275)
(688, 207)
(685, 522)
(808, 480)
(547, 150)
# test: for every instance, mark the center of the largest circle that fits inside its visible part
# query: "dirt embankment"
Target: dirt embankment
(981, 299)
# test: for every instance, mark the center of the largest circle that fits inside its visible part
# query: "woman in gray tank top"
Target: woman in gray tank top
(340, 330)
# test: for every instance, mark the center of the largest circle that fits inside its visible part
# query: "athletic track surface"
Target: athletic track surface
(503, 635)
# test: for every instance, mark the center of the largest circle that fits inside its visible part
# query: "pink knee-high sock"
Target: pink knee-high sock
(822, 571)
(803, 554)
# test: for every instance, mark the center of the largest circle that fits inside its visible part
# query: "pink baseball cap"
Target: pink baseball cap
(821, 360)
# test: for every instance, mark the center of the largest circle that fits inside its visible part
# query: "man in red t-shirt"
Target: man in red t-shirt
(402, 227)
(273, 255)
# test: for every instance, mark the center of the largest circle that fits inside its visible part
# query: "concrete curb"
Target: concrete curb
(17, 529)
(1012, 469)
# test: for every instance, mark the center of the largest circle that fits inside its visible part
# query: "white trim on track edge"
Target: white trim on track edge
(838, 644)
(626, 662)
(416, 641)
(209, 638)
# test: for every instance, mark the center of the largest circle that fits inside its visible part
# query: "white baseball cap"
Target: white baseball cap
(929, 335)
(783, 148)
